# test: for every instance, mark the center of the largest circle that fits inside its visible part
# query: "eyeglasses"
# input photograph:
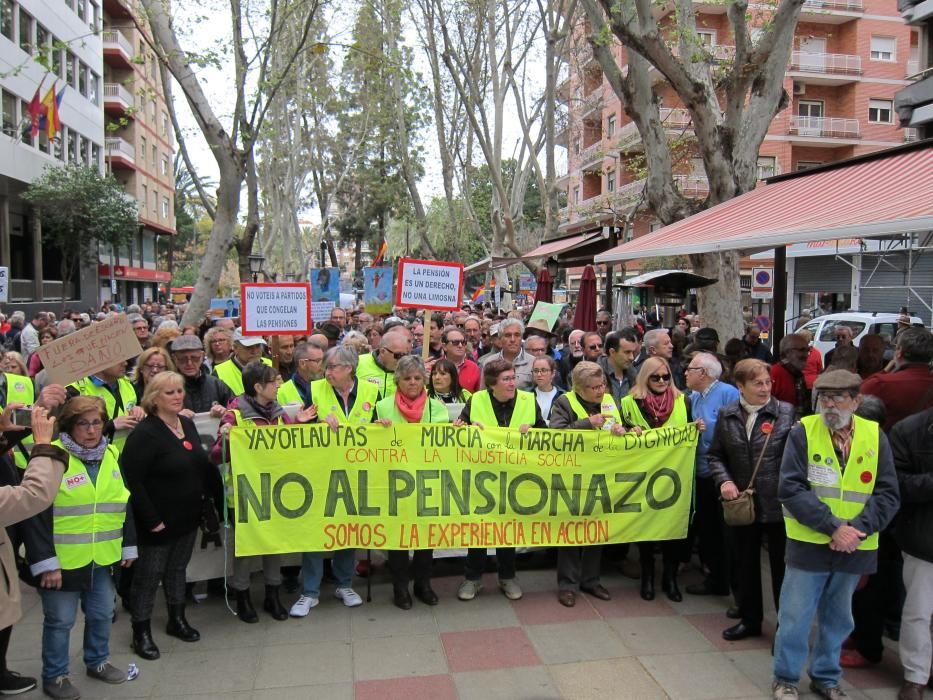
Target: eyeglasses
(460, 325)
(188, 359)
(215, 341)
(154, 368)
(542, 370)
(836, 397)
(602, 323)
(396, 355)
(659, 377)
(695, 369)
(601, 385)
(456, 342)
(316, 361)
(89, 424)
(598, 346)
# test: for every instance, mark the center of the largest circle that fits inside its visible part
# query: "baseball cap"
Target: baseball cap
(247, 341)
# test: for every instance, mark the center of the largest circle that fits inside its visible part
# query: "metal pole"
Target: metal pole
(779, 297)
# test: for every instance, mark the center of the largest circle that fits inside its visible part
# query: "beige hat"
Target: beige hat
(837, 380)
(538, 327)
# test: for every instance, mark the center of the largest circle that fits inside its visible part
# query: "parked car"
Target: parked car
(824, 328)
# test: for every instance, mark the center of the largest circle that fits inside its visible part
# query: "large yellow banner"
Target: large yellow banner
(309, 488)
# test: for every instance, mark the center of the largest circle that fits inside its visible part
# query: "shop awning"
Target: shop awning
(563, 245)
(881, 194)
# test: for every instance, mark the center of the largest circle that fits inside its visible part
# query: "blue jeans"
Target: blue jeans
(312, 570)
(60, 609)
(803, 595)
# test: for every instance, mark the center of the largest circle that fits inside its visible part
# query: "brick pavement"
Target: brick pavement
(487, 649)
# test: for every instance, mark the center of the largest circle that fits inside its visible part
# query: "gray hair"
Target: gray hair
(510, 323)
(65, 327)
(411, 364)
(303, 350)
(709, 362)
(915, 344)
(341, 355)
(790, 338)
(652, 337)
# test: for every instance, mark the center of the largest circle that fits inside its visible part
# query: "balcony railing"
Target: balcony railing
(116, 92)
(592, 153)
(911, 134)
(114, 39)
(119, 147)
(826, 63)
(913, 66)
(825, 127)
(843, 5)
(692, 185)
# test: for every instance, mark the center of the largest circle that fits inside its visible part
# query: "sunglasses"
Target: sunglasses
(602, 323)
(396, 355)
(659, 377)
(456, 342)
(594, 347)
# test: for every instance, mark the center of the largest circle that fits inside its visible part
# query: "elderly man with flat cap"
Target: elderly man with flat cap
(838, 488)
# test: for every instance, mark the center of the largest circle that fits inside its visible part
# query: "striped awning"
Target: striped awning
(882, 194)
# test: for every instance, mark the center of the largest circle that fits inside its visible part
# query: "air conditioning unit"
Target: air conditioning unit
(800, 88)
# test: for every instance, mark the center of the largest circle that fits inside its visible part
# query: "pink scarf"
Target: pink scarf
(411, 409)
(660, 405)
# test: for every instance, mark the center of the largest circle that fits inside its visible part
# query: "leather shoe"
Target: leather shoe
(647, 587)
(910, 691)
(706, 588)
(567, 598)
(426, 595)
(740, 631)
(733, 613)
(597, 591)
(402, 599)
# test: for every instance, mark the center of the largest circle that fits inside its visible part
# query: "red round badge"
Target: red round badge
(865, 477)
(187, 446)
(766, 428)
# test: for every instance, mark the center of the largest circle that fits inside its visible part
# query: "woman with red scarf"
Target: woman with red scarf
(411, 404)
(654, 402)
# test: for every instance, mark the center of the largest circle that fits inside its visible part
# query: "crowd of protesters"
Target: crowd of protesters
(812, 457)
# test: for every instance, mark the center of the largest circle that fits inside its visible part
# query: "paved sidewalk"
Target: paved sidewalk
(487, 649)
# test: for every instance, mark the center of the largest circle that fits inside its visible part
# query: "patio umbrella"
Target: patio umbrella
(585, 317)
(545, 289)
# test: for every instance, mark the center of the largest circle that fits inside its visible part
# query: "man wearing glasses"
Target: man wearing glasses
(592, 347)
(309, 359)
(378, 367)
(454, 344)
(844, 337)
(203, 391)
(603, 323)
(839, 489)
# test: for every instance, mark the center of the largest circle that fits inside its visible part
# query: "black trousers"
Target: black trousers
(476, 563)
(882, 597)
(578, 567)
(4, 646)
(671, 551)
(746, 560)
(403, 568)
(711, 532)
(162, 562)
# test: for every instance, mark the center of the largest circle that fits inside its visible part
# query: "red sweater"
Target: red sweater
(905, 391)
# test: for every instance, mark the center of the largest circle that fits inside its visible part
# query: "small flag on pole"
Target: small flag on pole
(381, 254)
(480, 292)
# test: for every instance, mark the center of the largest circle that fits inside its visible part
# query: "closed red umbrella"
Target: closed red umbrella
(585, 317)
(545, 289)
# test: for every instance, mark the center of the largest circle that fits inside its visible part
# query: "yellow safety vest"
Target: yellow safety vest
(434, 411)
(481, 410)
(86, 387)
(88, 517)
(607, 407)
(230, 374)
(367, 370)
(288, 393)
(633, 416)
(844, 491)
(19, 389)
(323, 396)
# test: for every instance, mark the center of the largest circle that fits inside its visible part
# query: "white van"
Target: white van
(824, 328)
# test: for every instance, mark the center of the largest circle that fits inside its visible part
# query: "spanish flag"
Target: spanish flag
(381, 254)
(50, 122)
(480, 292)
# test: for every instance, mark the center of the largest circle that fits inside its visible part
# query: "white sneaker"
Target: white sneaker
(468, 589)
(349, 597)
(303, 606)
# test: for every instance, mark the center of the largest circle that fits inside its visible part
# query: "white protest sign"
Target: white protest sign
(90, 350)
(428, 284)
(275, 309)
(4, 284)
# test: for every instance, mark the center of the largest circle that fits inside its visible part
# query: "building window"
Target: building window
(883, 48)
(807, 164)
(767, 166)
(72, 146)
(93, 88)
(654, 226)
(165, 165)
(81, 9)
(576, 195)
(25, 31)
(155, 156)
(610, 181)
(82, 79)
(84, 154)
(9, 114)
(165, 124)
(165, 205)
(142, 150)
(58, 67)
(42, 39)
(155, 203)
(152, 110)
(70, 70)
(707, 37)
(95, 154)
(880, 111)
(58, 146)
(25, 131)
(144, 202)
(93, 16)
(611, 126)
(6, 19)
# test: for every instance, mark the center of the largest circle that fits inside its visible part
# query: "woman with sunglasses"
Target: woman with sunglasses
(654, 402)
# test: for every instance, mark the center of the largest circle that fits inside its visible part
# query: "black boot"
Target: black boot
(669, 583)
(143, 644)
(178, 626)
(273, 605)
(647, 581)
(244, 607)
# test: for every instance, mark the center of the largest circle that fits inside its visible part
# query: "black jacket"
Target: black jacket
(912, 444)
(732, 456)
(205, 391)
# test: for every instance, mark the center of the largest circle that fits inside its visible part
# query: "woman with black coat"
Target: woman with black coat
(740, 437)
(168, 474)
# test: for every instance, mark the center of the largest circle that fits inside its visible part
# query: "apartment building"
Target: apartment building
(849, 59)
(914, 104)
(139, 151)
(65, 32)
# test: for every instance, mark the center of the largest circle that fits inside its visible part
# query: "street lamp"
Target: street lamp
(255, 265)
(552, 268)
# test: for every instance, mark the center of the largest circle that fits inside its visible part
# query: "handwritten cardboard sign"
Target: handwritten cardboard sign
(428, 284)
(275, 309)
(90, 350)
